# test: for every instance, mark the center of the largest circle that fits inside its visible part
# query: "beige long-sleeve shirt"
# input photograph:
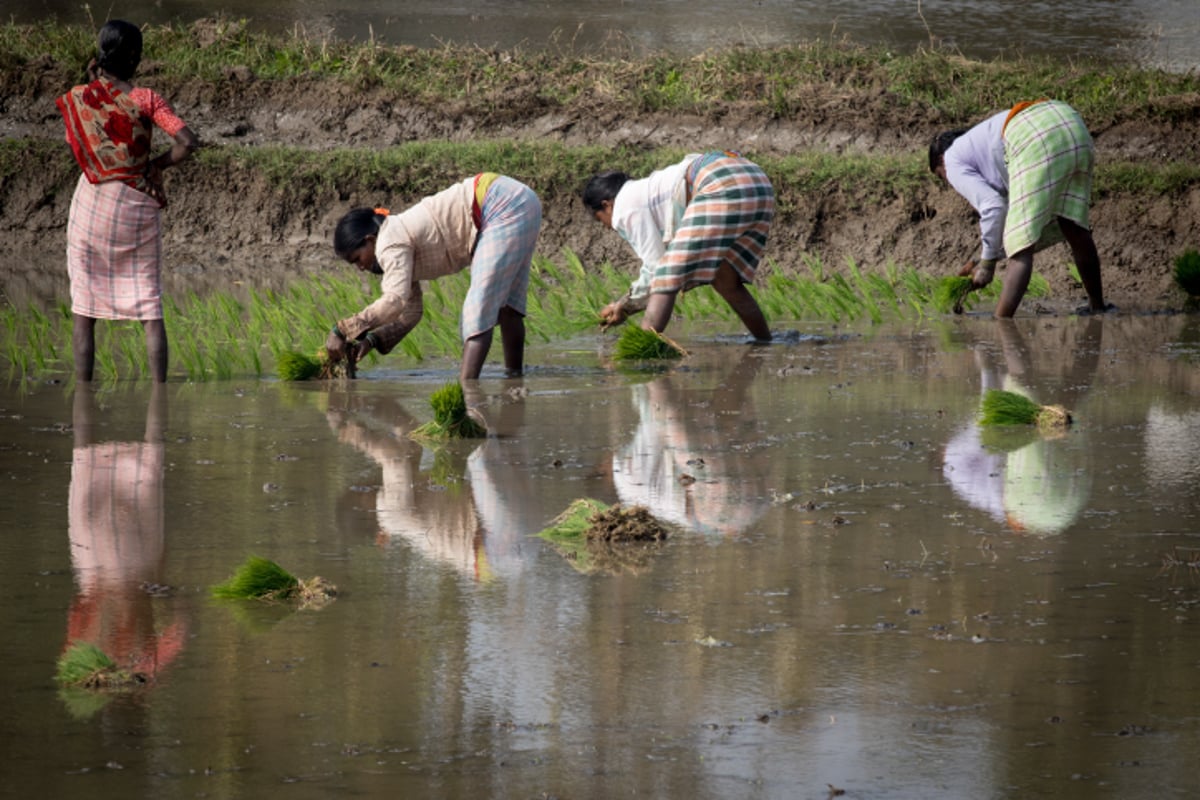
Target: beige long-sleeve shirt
(433, 238)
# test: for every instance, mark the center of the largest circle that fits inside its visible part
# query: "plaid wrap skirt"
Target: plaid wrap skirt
(511, 220)
(726, 222)
(1050, 156)
(114, 252)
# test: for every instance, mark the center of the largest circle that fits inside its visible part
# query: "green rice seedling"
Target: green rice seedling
(639, 344)
(86, 666)
(294, 366)
(1000, 407)
(262, 579)
(1187, 272)
(450, 417)
(951, 293)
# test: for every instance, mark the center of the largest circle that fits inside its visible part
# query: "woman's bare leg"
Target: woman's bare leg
(83, 346)
(512, 339)
(475, 352)
(156, 348)
(1016, 281)
(1087, 261)
(729, 285)
(658, 311)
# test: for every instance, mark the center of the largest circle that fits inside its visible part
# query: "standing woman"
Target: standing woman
(114, 238)
(488, 222)
(702, 221)
(1028, 172)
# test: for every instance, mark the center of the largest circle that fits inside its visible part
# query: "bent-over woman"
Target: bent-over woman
(1028, 172)
(488, 222)
(702, 221)
(114, 237)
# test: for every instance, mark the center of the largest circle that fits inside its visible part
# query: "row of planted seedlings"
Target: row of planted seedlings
(234, 334)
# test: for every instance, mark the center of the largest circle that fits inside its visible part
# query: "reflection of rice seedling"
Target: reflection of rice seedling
(639, 344)
(262, 579)
(1187, 272)
(450, 417)
(295, 366)
(1009, 408)
(594, 536)
(951, 293)
(87, 666)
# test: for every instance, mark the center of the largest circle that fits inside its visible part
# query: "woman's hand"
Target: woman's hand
(984, 271)
(335, 346)
(612, 314)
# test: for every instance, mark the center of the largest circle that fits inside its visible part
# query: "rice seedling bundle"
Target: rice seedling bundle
(593, 536)
(1001, 407)
(950, 293)
(291, 365)
(262, 579)
(639, 344)
(1187, 272)
(87, 666)
(450, 417)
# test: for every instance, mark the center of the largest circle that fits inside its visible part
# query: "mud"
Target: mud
(225, 227)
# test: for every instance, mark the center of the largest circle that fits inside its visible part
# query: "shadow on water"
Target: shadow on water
(862, 589)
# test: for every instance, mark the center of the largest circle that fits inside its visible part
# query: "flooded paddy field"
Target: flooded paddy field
(863, 593)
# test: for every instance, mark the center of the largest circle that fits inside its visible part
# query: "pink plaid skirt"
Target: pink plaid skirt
(114, 252)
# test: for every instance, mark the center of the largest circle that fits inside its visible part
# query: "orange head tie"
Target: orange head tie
(383, 212)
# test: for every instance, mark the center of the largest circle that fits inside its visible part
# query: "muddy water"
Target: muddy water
(858, 591)
(1153, 32)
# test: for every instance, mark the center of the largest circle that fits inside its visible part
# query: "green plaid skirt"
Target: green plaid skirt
(1049, 154)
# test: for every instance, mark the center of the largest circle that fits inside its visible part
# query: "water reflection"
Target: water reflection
(115, 525)
(458, 503)
(690, 460)
(1026, 481)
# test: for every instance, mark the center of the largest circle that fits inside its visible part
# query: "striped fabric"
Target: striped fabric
(726, 222)
(1050, 156)
(114, 252)
(512, 219)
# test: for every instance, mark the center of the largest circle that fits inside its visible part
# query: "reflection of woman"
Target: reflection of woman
(686, 463)
(1036, 487)
(1028, 172)
(702, 221)
(115, 524)
(488, 222)
(114, 242)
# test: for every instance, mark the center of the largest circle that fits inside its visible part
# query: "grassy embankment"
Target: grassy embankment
(209, 335)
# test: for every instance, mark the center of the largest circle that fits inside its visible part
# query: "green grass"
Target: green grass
(1187, 272)
(778, 82)
(1000, 408)
(225, 335)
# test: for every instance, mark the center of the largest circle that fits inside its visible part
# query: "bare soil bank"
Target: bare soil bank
(237, 226)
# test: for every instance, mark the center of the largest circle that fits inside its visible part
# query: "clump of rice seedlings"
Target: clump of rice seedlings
(1187, 272)
(951, 292)
(639, 344)
(86, 666)
(450, 417)
(594, 536)
(291, 365)
(262, 579)
(1001, 407)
